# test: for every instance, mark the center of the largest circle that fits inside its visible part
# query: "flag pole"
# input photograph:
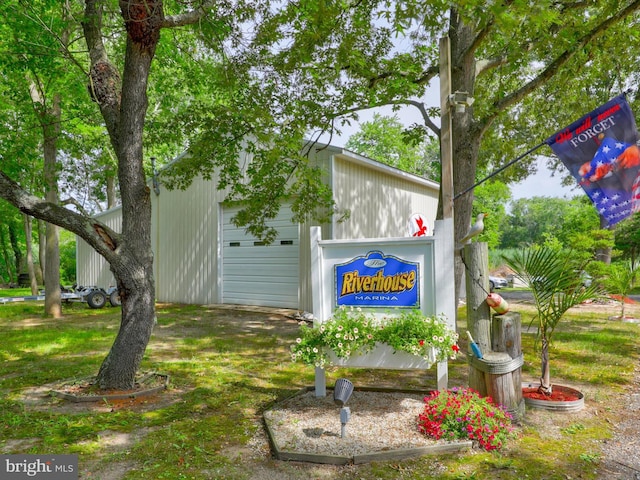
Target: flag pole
(528, 152)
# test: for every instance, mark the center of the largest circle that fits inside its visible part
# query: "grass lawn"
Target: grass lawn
(227, 366)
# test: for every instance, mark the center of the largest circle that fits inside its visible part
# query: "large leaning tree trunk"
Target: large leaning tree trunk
(131, 262)
(123, 104)
(122, 100)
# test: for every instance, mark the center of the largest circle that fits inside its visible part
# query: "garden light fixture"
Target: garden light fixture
(341, 393)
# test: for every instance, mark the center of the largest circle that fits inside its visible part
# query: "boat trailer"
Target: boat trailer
(95, 297)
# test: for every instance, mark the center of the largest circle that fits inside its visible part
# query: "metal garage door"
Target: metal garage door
(258, 274)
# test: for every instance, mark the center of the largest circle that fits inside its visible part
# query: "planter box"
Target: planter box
(384, 356)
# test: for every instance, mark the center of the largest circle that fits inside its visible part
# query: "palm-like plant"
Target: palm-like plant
(621, 280)
(554, 279)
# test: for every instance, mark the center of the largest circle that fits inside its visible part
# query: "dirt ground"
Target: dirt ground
(620, 455)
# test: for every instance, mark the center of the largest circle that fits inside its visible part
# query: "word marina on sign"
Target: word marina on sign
(352, 282)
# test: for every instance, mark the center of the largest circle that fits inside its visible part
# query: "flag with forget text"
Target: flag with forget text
(601, 152)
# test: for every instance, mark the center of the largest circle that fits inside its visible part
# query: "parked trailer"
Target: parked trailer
(96, 297)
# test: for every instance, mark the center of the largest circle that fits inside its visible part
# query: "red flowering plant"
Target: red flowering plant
(460, 414)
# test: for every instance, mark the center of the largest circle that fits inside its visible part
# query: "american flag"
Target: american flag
(601, 152)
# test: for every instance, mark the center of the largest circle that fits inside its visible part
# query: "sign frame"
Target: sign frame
(434, 257)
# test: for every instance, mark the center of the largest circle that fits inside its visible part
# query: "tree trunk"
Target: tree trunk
(51, 130)
(545, 378)
(42, 242)
(133, 265)
(137, 291)
(111, 191)
(28, 231)
(604, 254)
(466, 136)
(17, 253)
(5, 254)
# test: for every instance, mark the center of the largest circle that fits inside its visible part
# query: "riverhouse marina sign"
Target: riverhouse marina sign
(377, 280)
(381, 276)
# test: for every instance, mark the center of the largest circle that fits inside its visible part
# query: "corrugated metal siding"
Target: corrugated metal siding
(380, 204)
(91, 268)
(321, 159)
(186, 228)
(185, 244)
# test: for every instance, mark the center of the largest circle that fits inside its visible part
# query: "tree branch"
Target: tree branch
(95, 233)
(414, 103)
(426, 76)
(548, 73)
(188, 18)
(104, 78)
(75, 203)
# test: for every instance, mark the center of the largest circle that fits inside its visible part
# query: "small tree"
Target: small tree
(621, 280)
(553, 275)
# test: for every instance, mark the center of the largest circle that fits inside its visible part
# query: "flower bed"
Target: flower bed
(463, 414)
(352, 332)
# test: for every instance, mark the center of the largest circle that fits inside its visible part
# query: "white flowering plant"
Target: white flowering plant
(416, 334)
(350, 331)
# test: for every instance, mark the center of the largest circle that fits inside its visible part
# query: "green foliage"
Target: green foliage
(414, 333)
(627, 237)
(67, 257)
(383, 140)
(347, 332)
(462, 414)
(621, 280)
(539, 219)
(491, 197)
(553, 276)
(353, 332)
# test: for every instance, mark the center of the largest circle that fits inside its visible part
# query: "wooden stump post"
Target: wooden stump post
(476, 261)
(499, 373)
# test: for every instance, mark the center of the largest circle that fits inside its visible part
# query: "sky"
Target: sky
(543, 184)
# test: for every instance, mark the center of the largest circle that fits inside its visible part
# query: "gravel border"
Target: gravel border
(382, 425)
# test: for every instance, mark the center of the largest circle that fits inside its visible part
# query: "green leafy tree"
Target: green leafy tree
(621, 280)
(383, 139)
(627, 237)
(535, 220)
(67, 257)
(514, 58)
(239, 109)
(492, 198)
(11, 243)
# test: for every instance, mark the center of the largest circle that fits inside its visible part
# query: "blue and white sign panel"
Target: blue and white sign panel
(377, 280)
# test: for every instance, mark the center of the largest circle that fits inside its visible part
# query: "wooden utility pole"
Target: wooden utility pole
(446, 144)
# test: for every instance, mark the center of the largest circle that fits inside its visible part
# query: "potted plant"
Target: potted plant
(352, 331)
(553, 277)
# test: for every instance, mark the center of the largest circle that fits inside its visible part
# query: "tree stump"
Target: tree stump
(499, 373)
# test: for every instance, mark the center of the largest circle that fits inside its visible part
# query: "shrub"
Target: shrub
(459, 414)
(350, 331)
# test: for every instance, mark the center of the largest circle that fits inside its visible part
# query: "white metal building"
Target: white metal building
(202, 258)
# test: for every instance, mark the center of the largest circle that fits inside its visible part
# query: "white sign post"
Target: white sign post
(434, 260)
